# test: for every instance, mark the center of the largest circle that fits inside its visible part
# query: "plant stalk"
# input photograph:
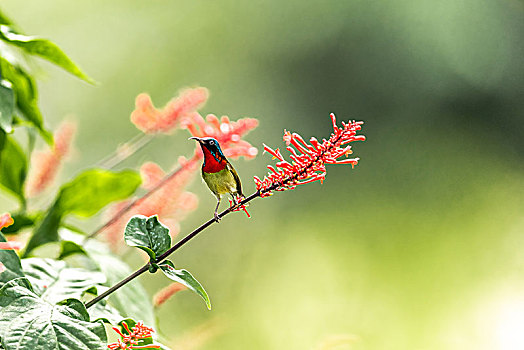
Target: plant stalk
(170, 251)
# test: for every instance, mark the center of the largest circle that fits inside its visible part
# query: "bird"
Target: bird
(217, 172)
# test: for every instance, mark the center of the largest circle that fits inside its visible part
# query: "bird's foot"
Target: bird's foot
(217, 219)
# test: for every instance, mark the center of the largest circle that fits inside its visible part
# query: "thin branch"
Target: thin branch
(171, 250)
(197, 231)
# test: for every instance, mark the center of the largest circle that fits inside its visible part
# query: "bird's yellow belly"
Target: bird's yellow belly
(221, 182)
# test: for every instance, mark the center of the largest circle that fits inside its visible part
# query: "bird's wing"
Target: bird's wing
(236, 177)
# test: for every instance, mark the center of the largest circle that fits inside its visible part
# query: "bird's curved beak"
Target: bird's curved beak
(195, 138)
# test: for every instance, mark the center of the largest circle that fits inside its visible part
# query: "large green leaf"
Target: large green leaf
(130, 301)
(94, 189)
(13, 168)
(84, 196)
(148, 234)
(29, 323)
(43, 48)
(54, 281)
(106, 313)
(184, 277)
(46, 231)
(10, 264)
(68, 248)
(4, 19)
(26, 96)
(7, 105)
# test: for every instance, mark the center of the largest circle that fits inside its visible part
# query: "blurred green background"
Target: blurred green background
(418, 247)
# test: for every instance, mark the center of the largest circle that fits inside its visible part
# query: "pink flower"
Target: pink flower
(151, 120)
(171, 201)
(45, 164)
(6, 220)
(228, 133)
(165, 293)
(309, 160)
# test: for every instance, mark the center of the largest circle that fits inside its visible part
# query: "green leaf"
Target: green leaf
(11, 264)
(184, 277)
(148, 234)
(84, 196)
(22, 221)
(106, 313)
(28, 323)
(4, 19)
(7, 105)
(94, 189)
(26, 96)
(132, 300)
(2, 142)
(43, 48)
(13, 168)
(68, 248)
(46, 231)
(54, 281)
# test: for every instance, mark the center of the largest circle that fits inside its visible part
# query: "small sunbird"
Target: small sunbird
(217, 172)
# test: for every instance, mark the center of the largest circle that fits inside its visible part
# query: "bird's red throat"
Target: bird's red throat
(211, 165)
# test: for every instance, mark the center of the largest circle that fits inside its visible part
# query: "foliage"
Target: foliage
(29, 322)
(62, 287)
(152, 237)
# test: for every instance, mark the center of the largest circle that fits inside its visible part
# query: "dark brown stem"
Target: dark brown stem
(170, 251)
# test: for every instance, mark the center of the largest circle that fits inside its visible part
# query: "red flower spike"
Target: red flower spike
(308, 160)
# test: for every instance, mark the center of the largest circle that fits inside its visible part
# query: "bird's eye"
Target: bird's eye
(212, 143)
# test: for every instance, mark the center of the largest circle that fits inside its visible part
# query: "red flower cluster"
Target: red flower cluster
(308, 160)
(131, 339)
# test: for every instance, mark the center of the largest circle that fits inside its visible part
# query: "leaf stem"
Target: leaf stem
(170, 251)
